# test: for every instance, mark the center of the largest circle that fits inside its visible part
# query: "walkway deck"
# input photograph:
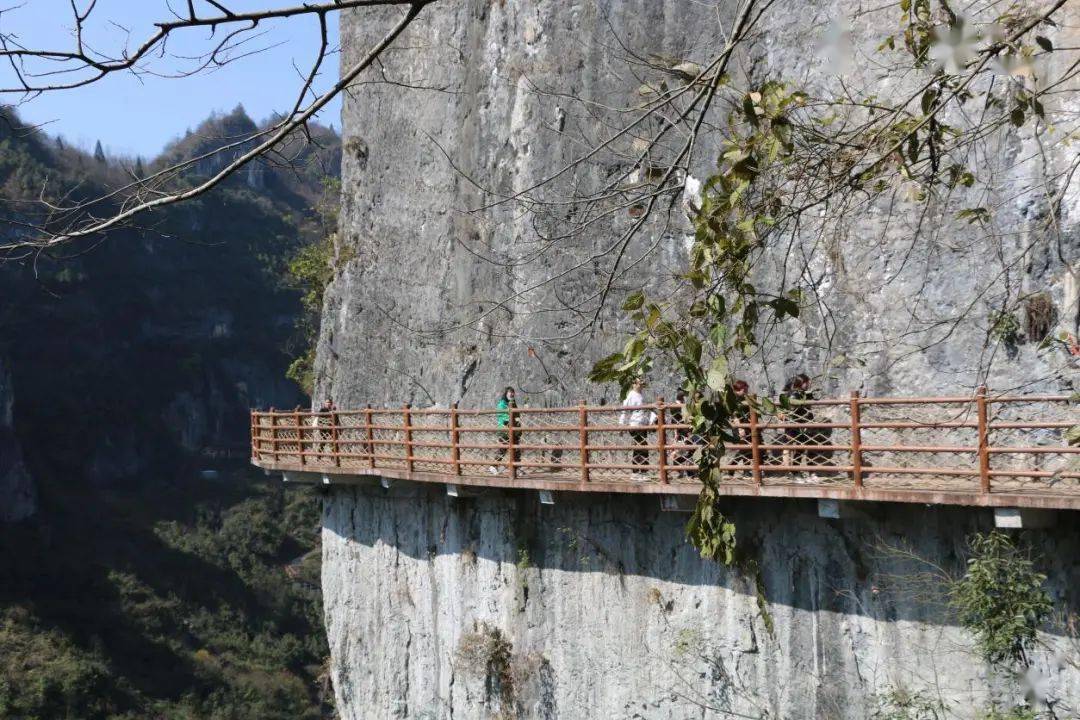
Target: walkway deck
(981, 450)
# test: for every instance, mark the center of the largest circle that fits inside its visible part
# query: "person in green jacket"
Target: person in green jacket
(506, 402)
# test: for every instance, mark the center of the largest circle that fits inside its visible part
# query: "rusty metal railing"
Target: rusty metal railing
(979, 449)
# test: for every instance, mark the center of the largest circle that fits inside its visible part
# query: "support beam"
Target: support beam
(300, 478)
(829, 509)
(836, 509)
(464, 491)
(1011, 518)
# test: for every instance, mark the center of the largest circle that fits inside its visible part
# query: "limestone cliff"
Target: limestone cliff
(597, 605)
(438, 304)
(606, 612)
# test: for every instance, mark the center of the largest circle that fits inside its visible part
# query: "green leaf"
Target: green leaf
(928, 99)
(692, 348)
(974, 215)
(634, 302)
(1017, 116)
(604, 369)
(784, 307)
(718, 335)
(718, 374)
(1044, 43)
(749, 112)
(631, 354)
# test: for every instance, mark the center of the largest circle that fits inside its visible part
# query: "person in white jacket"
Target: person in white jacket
(637, 416)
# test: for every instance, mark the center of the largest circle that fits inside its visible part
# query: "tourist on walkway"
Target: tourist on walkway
(741, 418)
(796, 393)
(321, 422)
(506, 402)
(681, 416)
(637, 416)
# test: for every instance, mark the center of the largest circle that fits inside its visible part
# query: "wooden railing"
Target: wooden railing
(976, 449)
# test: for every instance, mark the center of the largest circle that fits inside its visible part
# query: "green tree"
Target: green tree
(1001, 598)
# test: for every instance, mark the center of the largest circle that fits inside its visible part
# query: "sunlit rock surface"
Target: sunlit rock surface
(610, 614)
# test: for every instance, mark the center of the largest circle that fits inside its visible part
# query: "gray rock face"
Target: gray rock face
(600, 605)
(18, 496)
(437, 304)
(602, 610)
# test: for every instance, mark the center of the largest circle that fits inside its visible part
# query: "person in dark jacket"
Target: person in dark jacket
(741, 418)
(796, 393)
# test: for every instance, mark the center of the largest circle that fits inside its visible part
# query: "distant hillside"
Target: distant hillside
(145, 586)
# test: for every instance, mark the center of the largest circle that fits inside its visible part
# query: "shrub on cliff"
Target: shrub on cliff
(1001, 598)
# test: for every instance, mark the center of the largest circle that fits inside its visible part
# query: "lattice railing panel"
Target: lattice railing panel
(974, 445)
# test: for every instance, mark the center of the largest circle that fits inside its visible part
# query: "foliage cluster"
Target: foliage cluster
(139, 591)
(1001, 598)
(184, 612)
(792, 162)
(902, 704)
(487, 653)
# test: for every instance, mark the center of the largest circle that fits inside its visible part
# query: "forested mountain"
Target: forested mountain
(158, 577)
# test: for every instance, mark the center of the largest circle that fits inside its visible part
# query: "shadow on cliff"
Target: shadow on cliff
(883, 561)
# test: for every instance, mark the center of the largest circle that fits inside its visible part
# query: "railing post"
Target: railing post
(856, 440)
(407, 416)
(755, 446)
(583, 436)
(510, 444)
(370, 437)
(984, 445)
(254, 442)
(273, 435)
(455, 451)
(299, 434)
(661, 440)
(334, 446)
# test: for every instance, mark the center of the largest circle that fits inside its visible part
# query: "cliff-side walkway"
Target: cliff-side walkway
(1003, 451)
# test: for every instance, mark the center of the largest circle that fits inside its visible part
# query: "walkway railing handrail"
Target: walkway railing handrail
(853, 442)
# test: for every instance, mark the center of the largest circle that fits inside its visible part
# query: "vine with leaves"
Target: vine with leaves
(784, 153)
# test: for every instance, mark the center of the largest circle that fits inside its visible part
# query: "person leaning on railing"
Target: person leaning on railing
(741, 416)
(797, 394)
(637, 416)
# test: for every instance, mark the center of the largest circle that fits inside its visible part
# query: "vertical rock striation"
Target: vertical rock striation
(597, 607)
(606, 612)
(488, 100)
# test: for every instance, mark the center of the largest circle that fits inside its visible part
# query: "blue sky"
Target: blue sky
(138, 116)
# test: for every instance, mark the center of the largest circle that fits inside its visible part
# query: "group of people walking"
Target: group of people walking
(639, 417)
(797, 412)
